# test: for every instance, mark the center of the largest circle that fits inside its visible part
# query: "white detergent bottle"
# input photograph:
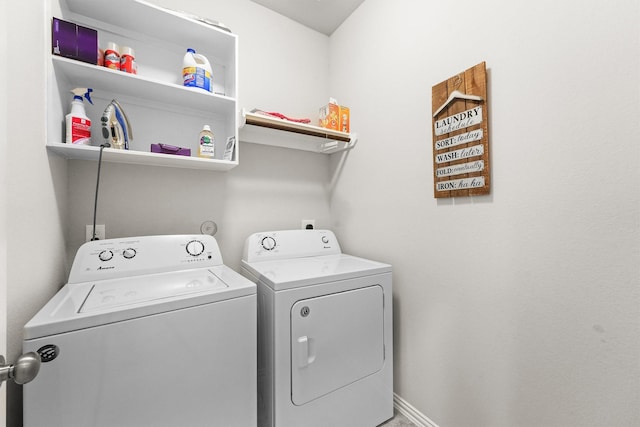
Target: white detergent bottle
(78, 129)
(196, 71)
(206, 147)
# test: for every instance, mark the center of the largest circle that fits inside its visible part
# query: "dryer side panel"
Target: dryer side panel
(336, 340)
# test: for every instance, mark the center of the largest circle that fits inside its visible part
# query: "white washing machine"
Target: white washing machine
(325, 348)
(148, 331)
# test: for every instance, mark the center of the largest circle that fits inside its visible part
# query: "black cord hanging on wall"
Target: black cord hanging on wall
(95, 201)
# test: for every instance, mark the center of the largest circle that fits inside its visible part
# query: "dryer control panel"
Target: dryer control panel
(133, 256)
(287, 244)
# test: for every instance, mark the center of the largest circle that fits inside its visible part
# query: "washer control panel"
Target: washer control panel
(114, 258)
(271, 245)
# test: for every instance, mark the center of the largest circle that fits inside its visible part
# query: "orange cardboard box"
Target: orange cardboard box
(344, 119)
(330, 116)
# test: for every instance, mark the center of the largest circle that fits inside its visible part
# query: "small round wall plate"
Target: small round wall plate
(209, 227)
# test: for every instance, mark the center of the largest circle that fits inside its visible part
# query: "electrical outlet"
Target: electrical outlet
(308, 224)
(100, 232)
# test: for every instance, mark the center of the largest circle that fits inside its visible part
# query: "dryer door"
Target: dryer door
(336, 339)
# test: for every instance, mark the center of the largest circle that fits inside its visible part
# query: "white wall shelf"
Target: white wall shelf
(145, 89)
(156, 22)
(88, 152)
(262, 129)
(159, 108)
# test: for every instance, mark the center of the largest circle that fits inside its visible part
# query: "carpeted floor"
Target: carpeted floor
(398, 421)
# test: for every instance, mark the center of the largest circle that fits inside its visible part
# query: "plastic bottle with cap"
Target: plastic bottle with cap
(112, 56)
(196, 71)
(128, 60)
(78, 125)
(206, 147)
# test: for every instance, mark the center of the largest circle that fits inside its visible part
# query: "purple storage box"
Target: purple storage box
(74, 41)
(170, 149)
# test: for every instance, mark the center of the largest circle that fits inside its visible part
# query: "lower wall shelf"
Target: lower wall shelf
(89, 152)
(261, 129)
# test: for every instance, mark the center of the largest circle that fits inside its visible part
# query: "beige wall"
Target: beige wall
(36, 201)
(3, 203)
(283, 67)
(515, 309)
(520, 308)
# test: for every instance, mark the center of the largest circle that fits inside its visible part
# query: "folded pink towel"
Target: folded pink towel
(281, 116)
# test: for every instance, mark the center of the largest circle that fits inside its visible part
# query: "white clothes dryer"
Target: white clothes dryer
(148, 331)
(325, 347)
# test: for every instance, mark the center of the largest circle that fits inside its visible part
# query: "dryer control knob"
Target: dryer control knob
(195, 247)
(129, 253)
(269, 243)
(325, 239)
(105, 255)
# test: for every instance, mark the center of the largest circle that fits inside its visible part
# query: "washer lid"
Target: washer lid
(84, 305)
(299, 272)
(109, 294)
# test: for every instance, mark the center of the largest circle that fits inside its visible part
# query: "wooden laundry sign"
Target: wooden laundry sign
(460, 135)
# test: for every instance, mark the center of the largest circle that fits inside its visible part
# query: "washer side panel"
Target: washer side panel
(193, 366)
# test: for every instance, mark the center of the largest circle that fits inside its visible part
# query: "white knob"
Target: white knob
(195, 247)
(269, 243)
(105, 255)
(129, 253)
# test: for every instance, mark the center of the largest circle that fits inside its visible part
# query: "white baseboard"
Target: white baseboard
(411, 413)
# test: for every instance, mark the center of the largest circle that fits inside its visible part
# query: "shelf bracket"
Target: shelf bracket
(328, 146)
(333, 146)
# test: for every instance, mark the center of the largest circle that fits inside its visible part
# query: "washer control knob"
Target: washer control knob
(105, 255)
(195, 247)
(129, 253)
(325, 239)
(269, 243)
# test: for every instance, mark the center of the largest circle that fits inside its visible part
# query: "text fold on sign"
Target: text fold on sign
(476, 166)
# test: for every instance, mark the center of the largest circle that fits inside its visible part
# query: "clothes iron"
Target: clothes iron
(116, 129)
